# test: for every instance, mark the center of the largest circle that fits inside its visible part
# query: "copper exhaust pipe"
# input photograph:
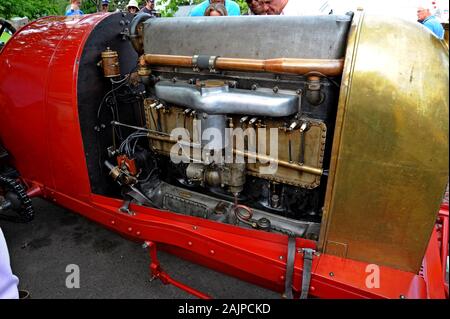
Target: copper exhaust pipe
(167, 60)
(327, 67)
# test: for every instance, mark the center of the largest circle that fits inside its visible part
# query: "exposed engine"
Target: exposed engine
(235, 132)
(238, 141)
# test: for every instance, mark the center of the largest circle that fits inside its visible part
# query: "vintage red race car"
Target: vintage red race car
(327, 169)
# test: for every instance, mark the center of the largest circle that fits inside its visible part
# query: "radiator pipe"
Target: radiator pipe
(326, 67)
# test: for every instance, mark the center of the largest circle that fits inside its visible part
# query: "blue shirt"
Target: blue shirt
(72, 12)
(231, 6)
(435, 26)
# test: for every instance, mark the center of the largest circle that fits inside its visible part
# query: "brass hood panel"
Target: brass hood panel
(389, 165)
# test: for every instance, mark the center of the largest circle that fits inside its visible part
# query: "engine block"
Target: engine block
(300, 142)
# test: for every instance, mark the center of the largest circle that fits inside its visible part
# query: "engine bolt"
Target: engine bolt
(275, 89)
(130, 229)
(281, 257)
(212, 252)
(331, 274)
(189, 243)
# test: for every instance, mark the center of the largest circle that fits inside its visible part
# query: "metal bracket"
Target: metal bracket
(289, 269)
(156, 272)
(308, 255)
(212, 64)
(303, 129)
(125, 208)
(195, 67)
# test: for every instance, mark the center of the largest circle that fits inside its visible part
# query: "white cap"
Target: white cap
(133, 3)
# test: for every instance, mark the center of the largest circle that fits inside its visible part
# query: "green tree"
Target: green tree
(92, 6)
(171, 6)
(30, 8)
(34, 9)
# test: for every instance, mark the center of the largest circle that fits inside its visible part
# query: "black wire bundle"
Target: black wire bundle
(126, 147)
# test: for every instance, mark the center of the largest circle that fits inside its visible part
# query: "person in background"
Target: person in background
(425, 17)
(216, 10)
(8, 282)
(149, 7)
(74, 8)
(258, 7)
(231, 6)
(133, 6)
(105, 6)
(298, 7)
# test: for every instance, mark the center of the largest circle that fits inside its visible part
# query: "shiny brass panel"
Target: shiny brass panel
(389, 165)
(288, 172)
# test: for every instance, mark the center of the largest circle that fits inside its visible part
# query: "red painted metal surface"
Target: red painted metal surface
(432, 268)
(39, 126)
(157, 273)
(444, 237)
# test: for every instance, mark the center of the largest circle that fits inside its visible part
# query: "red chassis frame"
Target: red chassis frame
(38, 72)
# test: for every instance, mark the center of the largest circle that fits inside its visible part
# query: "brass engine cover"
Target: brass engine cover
(389, 165)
